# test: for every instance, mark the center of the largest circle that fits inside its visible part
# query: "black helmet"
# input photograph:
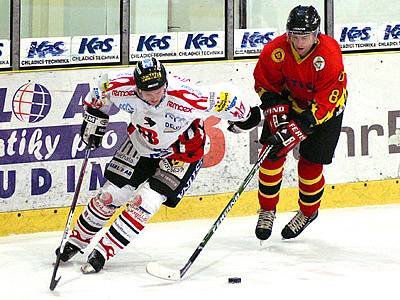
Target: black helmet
(150, 74)
(303, 20)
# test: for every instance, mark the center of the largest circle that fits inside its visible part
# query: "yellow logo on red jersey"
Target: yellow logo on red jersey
(278, 55)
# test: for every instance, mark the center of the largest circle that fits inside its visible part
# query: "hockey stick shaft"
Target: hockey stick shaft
(159, 271)
(55, 281)
(226, 210)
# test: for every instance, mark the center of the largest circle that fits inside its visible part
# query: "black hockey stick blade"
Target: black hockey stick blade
(55, 281)
(159, 271)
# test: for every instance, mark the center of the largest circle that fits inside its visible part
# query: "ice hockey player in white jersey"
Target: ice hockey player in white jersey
(160, 157)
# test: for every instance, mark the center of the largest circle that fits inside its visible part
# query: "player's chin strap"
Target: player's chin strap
(157, 270)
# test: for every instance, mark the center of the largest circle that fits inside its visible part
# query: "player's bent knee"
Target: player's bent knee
(148, 199)
(112, 195)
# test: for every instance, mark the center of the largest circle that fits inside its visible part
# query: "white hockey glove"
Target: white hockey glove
(94, 126)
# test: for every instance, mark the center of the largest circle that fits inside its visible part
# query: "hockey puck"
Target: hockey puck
(234, 280)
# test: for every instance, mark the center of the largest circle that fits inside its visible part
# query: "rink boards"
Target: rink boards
(41, 154)
(195, 207)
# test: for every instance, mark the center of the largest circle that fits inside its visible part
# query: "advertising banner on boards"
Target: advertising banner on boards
(41, 114)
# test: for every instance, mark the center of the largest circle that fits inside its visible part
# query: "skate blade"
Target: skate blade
(88, 269)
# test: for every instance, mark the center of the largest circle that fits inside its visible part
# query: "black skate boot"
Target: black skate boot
(94, 264)
(297, 225)
(70, 250)
(264, 224)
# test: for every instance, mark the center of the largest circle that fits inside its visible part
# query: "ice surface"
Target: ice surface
(346, 253)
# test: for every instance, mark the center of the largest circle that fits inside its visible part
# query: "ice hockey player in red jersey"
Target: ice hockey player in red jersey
(301, 82)
(160, 157)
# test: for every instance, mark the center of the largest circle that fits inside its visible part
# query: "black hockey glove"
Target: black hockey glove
(252, 121)
(285, 139)
(276, 110)
(94, 126)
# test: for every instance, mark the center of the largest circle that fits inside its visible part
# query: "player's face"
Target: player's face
(154, 97)
(302, 43)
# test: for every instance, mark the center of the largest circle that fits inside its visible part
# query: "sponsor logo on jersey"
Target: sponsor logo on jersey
(170, 127)
(127, 107)
(211, 100)
(173, 123)
(278, 55)
(119, 93)
(182, 79)
(223, 102)
(120, 82)
(149, 121)
(232, 103)
(176, 167)
(174, 118)
(191, 98)
(319, 63)
(191, 90)
(160, 153)
(179, 107)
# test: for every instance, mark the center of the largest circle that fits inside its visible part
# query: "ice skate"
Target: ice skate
(94, 264)
(297, 225)
(264, 224)
(70, 250)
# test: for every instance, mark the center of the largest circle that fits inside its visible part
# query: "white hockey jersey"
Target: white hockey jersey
(174, 128)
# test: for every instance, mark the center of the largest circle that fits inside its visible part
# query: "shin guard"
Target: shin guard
(311, 186)
(95, 215)
(131, 221)
(269, 183)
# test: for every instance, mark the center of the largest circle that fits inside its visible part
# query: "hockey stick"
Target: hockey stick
(54, 281)
(157, 270)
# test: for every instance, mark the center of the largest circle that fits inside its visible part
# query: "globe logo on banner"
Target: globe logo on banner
(31, 102)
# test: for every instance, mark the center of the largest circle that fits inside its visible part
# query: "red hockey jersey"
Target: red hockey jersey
(316, 82)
